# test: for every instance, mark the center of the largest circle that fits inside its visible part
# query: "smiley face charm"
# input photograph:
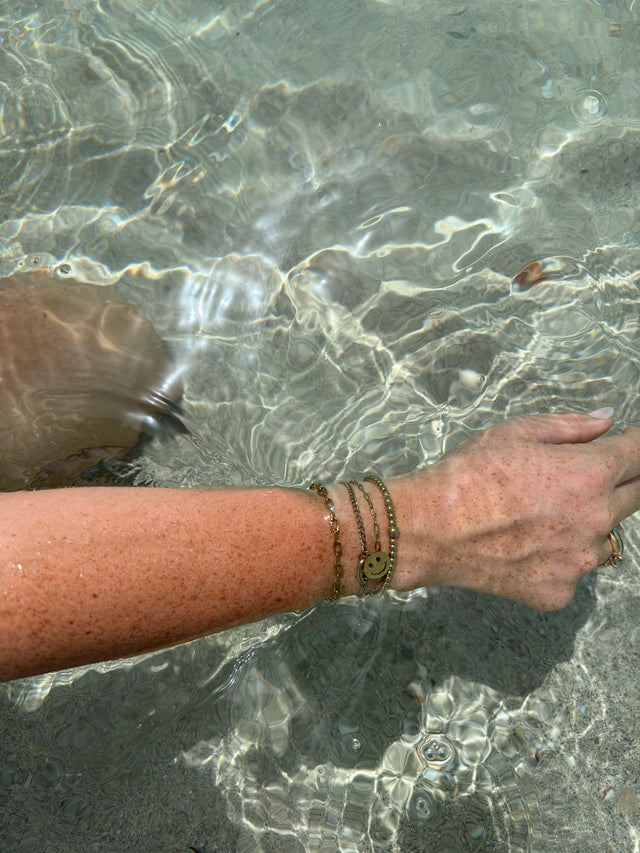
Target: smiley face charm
(373, 567)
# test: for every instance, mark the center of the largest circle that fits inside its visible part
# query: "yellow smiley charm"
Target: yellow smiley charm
(373, 566)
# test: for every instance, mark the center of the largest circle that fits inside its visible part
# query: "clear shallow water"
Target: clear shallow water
(322, 206)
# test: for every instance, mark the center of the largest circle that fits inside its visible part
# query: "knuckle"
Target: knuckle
(595, 477)
(601, 521)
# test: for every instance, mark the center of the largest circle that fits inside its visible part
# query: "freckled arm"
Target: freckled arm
(523, 510)
(89, 574)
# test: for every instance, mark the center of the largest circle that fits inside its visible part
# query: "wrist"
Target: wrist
(412, 544)
(417, 563)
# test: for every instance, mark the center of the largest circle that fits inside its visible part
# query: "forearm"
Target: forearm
(90, 573)
(523, 511)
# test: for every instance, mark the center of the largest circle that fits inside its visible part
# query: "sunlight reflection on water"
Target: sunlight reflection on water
(322, 208)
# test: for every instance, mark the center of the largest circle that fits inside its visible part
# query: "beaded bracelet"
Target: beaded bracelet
(379, 566)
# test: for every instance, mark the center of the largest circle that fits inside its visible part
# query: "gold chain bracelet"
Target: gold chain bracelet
(374, 568)
(374, 517)
(338, 588)
(364, 553)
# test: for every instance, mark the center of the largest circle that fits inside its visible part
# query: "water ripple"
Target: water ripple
(366, 231)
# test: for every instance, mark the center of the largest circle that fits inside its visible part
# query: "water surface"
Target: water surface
(322, 206)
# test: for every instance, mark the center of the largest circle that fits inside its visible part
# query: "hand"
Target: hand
(522, 510)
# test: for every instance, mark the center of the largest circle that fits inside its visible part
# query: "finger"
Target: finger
(621, 453)
(607, 550)
(566, 428)
(626, 499)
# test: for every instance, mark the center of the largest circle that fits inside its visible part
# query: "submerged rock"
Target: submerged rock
(82, 374)
(627, 802)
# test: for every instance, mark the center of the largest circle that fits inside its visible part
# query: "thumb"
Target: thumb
(567, 427)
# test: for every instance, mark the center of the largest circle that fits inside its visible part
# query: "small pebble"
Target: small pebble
(627, 802)
(529, 276)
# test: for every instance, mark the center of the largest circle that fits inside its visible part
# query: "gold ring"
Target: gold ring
(617, 546)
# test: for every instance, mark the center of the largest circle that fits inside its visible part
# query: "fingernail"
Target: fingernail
(603, 413)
